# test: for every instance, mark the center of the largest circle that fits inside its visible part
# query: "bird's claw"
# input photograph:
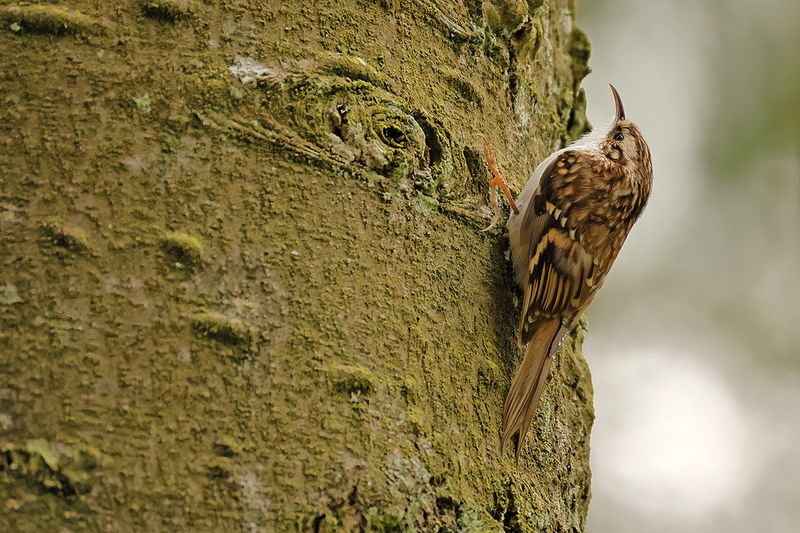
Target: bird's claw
(497, 182)
(494, 221)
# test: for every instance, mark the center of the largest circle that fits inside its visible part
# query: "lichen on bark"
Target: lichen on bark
(243, 280)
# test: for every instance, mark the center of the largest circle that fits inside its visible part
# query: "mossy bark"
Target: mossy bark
(242, 279)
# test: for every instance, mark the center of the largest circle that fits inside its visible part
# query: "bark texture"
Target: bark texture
(242, 282)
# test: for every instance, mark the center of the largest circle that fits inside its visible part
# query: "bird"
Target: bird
(566, 229)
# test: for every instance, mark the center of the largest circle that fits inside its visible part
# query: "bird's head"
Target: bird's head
(625, 145)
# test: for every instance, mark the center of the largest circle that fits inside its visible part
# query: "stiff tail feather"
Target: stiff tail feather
(528, 383)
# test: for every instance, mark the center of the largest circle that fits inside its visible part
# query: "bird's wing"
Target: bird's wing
(562, 276)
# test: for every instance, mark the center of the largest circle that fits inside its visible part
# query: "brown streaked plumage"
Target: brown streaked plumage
(574, 216)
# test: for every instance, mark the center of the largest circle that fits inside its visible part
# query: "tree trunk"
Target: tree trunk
(243, 284)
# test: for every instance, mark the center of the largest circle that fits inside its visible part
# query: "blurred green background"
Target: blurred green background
(695, 337)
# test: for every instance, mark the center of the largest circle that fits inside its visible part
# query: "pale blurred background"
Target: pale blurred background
(695, 338)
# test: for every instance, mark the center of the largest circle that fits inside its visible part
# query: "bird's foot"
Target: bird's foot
(496, 182)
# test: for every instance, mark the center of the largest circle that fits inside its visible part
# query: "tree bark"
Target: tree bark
(243, 284)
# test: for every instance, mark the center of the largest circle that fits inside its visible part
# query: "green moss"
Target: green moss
(52, 468)
(488, 373)
(583, 325)
(48, 19)
(44, 450)
(425, 203)
(220, 468)
(410, 390)
(223, 329)
(353, 379)
(227, 446)
(325, 523)
(68, 237)
(471, 520)
(143, 103)
(528, 40)
(580, 49)
(505, 16)
(353, 67)
(183, 250)
(9, 294)
(380, 522)
(415, 416)
(578, 123)
(463, 86)
(167, 10)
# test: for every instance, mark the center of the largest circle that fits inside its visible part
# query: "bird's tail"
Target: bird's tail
(528, 382)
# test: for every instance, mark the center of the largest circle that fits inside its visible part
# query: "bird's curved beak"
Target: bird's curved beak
(618, 104)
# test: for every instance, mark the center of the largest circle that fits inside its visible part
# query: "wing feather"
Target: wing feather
(558, 263)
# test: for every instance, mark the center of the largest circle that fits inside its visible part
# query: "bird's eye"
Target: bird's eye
(618, 136)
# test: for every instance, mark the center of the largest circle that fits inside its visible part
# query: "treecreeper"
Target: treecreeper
(566, 229)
